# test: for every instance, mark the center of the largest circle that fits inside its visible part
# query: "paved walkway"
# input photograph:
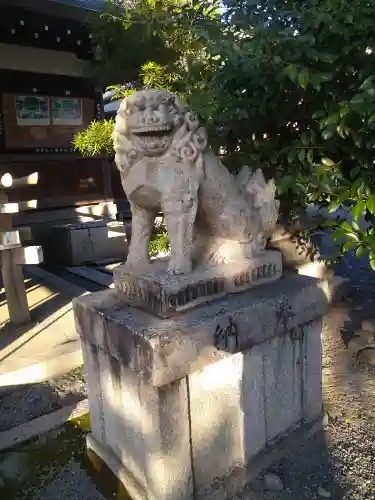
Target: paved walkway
(49, 345)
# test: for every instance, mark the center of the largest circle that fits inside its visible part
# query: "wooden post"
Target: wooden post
(12, 254)
(14, 285)
(12, 274)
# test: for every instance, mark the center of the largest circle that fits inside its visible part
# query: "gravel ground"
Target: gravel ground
(338, 463)
(72, 483)
(21, 404)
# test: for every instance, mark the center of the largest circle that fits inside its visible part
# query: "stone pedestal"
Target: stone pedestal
(165, 295)
(180, 407)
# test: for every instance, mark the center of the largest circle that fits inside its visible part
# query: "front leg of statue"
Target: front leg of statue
(142, 225)
(180, 219)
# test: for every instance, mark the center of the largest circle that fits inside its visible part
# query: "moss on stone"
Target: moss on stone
(41, 459)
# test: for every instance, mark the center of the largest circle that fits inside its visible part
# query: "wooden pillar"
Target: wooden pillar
(12, 254)
(14, 286)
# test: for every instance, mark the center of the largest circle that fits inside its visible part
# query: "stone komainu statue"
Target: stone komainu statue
(166, 165)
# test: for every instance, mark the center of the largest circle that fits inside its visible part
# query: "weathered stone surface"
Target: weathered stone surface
(179, 402)
(166, 295)
(146, 428)
(166, 349)
(312, 369)
(227, 413)
(165, 164)
(95, 394)
(283, 384)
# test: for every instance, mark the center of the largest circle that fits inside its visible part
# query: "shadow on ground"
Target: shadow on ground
(20, 404)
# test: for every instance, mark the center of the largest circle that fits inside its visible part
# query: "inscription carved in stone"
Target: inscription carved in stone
(226, 337)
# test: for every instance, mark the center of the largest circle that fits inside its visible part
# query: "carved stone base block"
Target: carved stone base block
(182, 407)
(166, 295)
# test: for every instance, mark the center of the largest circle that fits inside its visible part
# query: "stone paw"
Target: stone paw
(136, 265)
(227, 252)
(176, 268)
(219, 258)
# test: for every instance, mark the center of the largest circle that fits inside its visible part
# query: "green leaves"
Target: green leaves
(358, 209)
(305, 139)
(292, 155)
(360, 252)
(333, 206)
(370, 204)
(368, 85)
(303, 78)
(97, 139)
(328, 162)
(310, 156)
(291, 71)
(302, 154)
(304, 89)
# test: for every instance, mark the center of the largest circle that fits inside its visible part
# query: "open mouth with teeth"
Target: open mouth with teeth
(153, 140)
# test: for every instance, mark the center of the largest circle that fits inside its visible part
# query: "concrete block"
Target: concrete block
(144, 427)
(283, 384)
(253, 402)
(227, 415)
(312, 370)
(169, 403)
(95, 393)
(75, 244)
(216, 419)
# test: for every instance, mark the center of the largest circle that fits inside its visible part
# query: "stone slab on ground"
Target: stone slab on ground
(25, 403)
(92, 274)
(40, 425)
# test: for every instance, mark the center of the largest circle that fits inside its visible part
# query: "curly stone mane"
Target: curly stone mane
(189, 139)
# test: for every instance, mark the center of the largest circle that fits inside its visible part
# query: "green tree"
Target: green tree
(125, 43)
(290, 85)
